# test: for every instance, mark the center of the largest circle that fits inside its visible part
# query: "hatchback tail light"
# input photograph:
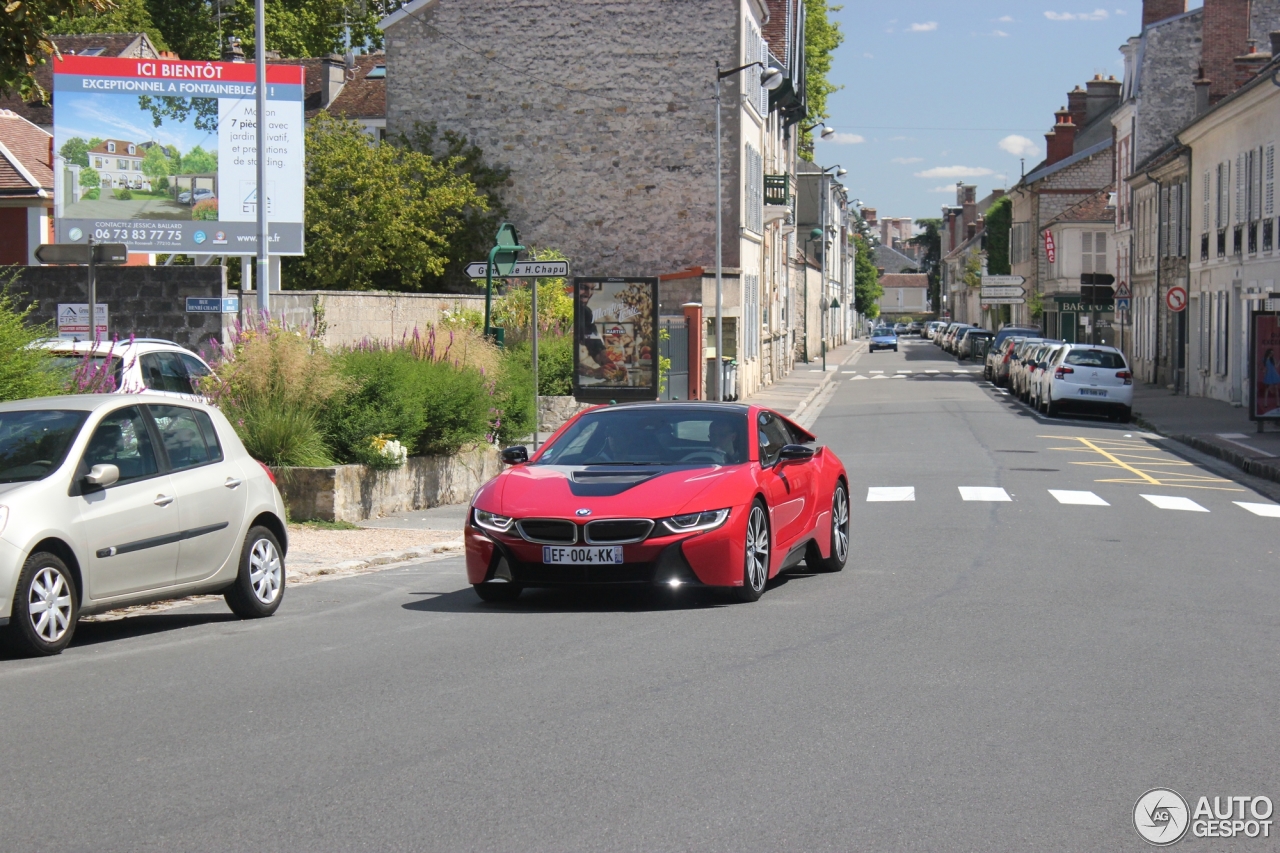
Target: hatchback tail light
(270, 475)
(1063, 371)
(1126, 376)
(1007, 355)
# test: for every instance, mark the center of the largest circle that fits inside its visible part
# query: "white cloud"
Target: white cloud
(836, 139)
(1019, 146)
(1005, 19)
(1118, 12)
(1095, 15)
(955, 172)
(926, 27)
(864, 56)
(906, 161)
(997, 33)
(949, 188)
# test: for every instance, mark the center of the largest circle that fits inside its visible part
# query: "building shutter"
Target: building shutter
(1164, 222)
(764, 93)
(1269, 183)
(1100, 252)
(1240, 188)
(1086, 252)
(1205, 220)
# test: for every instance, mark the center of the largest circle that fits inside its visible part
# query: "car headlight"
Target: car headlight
(492, 521)
(4, 517)
(695, 522)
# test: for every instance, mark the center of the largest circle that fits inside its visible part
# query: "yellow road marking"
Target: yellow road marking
(1126, 455)
(1125, 465)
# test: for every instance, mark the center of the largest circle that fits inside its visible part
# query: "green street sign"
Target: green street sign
(507, 235)
(835, 303)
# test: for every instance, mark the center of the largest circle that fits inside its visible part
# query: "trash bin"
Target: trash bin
(729, 376)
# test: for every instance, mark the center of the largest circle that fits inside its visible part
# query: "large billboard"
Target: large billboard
(615, 339)
(160, 154)
(1265, 354)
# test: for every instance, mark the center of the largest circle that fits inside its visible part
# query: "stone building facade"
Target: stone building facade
(602, 111)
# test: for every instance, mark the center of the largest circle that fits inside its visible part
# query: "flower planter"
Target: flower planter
(357, 492)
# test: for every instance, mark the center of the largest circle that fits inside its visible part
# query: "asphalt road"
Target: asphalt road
(1007, 675)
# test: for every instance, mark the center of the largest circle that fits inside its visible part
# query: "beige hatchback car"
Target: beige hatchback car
(119, 499)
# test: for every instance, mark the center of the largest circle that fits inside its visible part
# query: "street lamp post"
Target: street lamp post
(770, 78)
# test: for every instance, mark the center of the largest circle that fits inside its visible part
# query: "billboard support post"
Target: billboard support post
(260, 60)
(93, 296)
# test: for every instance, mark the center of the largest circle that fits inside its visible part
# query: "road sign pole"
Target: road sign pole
(93, 297)
(533, 283)
(260, 60)
(488, 289)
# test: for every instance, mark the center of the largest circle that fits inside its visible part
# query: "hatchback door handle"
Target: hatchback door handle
(231, 483)
(163, 500)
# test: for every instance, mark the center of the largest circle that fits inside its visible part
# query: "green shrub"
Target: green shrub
(93, 194)
(122, 194)
(555, 363)
(282, 437)
(25, 371)
(206, 210)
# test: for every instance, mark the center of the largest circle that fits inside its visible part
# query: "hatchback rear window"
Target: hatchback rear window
(34, 443)
(1095, 358)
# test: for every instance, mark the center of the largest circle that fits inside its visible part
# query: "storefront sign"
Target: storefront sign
(1050, 248)
(615, 339)
(1265, 358)
(73, 321)
(1069, 303)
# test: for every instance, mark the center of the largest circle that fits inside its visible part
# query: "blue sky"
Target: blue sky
(91, 114)
(939, 91)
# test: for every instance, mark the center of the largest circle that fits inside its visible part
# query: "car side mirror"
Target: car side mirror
(795, 453)
(515, 455)
(101, 476)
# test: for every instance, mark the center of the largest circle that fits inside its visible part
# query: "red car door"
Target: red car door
(788, 486)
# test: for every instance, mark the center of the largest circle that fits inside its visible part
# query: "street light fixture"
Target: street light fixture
(827, 131)
(770, 78)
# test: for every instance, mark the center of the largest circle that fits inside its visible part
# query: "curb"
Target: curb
(1265, 469)
(439, 550)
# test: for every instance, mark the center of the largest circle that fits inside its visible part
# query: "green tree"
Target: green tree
(930, 242)
(75, 150)
(299, 28)
(378, 216)
(24, 39)
(998, 222)
(25, 371)
(189, 26)
(89, 178)
(115, 16)
(821, 38)
(866, 280)
(973, 270)
(155, 164)
(197, 161)
(179, 109)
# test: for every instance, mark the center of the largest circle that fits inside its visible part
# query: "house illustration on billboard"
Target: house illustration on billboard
(118, 163)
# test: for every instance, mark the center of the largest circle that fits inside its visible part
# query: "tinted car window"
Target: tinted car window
(164, 371)
(182, 437)
(210, 435)
(644, 436)
(121, 439)
(1095, 358)
(773, 436)
(33, 444)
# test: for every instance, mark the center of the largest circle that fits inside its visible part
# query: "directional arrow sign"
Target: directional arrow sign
(1004, 300)
(1001, 290)
(524, 269)
(1008, 280)
(78, 253)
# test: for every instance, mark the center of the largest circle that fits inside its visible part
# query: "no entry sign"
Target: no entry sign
(1176, 299)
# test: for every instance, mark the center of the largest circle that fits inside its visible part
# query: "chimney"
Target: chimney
(1102, 95)
(334, 77)
(1202, 94)
(1225, 36)
(1154, 11)
(1248, 66)
(997, 194)
(1060, 143)
(233, 52)
(971, 230)
(1078, 106)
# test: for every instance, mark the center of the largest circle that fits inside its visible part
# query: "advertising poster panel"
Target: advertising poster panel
(159, 154)
(615, 339)
(1266, 366)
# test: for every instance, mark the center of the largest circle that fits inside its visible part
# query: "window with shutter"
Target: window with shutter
(764, 93)
(1100, 252)
(1269, 183)
(1205, 220)
(1240, 188)
(1164, 222)
(1086, 252)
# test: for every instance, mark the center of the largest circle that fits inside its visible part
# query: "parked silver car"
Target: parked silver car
(118, 499)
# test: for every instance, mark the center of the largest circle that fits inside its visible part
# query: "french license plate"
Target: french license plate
(1092, 392)
(582, 555)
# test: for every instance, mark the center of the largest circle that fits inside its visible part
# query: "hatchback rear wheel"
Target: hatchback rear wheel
(45, 608)
(259, 585)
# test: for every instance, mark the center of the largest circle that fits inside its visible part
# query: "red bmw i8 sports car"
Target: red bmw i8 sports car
(711, 494)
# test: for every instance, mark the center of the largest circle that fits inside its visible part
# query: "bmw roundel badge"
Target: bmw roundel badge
(584, 512)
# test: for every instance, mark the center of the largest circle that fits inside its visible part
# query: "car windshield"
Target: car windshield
(34, 443)
(881, 333)
(1095, 358)
(640, 436)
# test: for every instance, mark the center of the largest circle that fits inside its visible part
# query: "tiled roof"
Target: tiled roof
(26, 153)
(122, 147)
(891, 260)
(360, 97)
(904, 280)
(114, 44)
(1095, 208)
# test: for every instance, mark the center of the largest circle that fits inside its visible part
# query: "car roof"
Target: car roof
(1099, 347)
(92, 402)
(115, 347)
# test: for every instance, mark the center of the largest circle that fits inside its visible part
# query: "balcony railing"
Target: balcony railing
(777, 190)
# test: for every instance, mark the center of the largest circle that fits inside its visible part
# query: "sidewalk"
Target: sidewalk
(1212, 427)
(797, 391)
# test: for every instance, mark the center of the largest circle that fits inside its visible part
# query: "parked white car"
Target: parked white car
(141, 364)
(108, 500)
(1040, 373)
(1089, 378)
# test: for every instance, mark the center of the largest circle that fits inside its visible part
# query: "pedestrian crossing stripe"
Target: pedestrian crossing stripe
(1171, 502)
(1077, 498)
(984, 493)
(907, 494)
(891, 493)
(906, 371)
(931, 371)
(859, 377)
(1265, 510)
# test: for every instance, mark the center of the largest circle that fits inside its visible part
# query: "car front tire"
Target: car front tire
(755, 568)
(259, 586)
(45, 606)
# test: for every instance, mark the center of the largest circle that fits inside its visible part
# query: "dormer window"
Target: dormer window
(133, 149)
(93, 51)
(111, 148)
(378, 72)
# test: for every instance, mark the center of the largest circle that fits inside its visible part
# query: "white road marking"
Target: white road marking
(1265, 510)
(891, 493)
(856, 377)
(1171, 502)
(954, 371)
(1079, 498)
(899, 376)
(927, 371)
(873, 377)
(873, 371)
(984, 493)
(845, 372)
(900, 371)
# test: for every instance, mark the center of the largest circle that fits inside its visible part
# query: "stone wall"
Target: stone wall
(351, 316)
(1167, 97)
(145, 302)
(356, 493)
(606, 126)
(556, 411)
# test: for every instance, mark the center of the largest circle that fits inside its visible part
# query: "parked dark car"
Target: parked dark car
(966, 339)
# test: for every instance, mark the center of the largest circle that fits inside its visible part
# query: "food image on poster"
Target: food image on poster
(616, 335)
(1266, 365)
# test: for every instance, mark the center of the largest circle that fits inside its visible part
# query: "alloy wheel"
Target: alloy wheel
(757, 549)
(265, 571)
(49, 605)
(840, 523)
